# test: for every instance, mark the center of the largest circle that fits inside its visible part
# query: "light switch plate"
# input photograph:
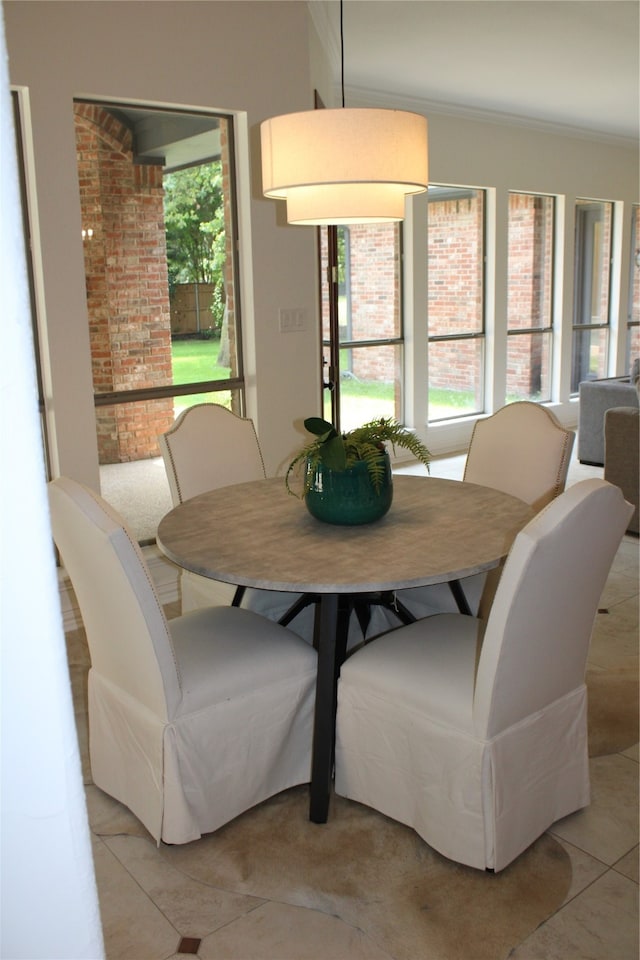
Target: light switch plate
(293, 320)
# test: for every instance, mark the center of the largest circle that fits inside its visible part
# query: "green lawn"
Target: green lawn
(196, 360)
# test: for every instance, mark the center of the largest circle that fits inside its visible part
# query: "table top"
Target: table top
(257, 535)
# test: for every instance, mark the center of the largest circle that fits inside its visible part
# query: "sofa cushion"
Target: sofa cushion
(621, 458)
(596, 397)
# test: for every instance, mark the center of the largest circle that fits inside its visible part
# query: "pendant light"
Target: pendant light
(344, 165)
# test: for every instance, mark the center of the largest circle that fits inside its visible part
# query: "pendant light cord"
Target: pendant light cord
(342, 48)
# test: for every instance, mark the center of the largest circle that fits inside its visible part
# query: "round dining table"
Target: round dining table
(258, 535)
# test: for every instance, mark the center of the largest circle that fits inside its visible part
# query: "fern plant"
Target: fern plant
(339, 451)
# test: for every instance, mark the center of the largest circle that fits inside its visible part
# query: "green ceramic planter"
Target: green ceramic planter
(348, 497)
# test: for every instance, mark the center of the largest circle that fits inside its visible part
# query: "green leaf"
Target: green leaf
(334, 454)
(320, 428)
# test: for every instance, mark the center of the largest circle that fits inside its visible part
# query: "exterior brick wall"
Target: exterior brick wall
(374, 270)
(127, 285)
(455, 289)
(529, 294)
(375, 297)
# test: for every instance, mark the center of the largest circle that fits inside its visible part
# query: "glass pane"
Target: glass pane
(633, 337)
(455, 378)
(157, 227)
(589, 355)
(530, 261)
(326, 393)
(593, 256)
(195, 360)
(528, 366)
(634, 305)
(591, 287)
(125, 429)
(325, 286)
(455, 251)
(369, 308)
(368, 282)
(369, 293)
(633, 344)
(231, 399)
(370, 384)
(199, 239)
(133, 477)
(120, 441)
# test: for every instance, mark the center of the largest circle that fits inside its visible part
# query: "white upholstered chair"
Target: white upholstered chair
(475, 734)
(208, 447)
(191, 721)
(522, 450)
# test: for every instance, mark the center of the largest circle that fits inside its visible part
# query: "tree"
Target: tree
(194, 226)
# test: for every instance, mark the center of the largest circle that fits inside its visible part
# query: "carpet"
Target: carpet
(139, 491)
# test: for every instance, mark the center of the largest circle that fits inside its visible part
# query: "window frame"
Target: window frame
(450, 192)
(235, 385)
(633, 322)
(332, 344)
(583, 278)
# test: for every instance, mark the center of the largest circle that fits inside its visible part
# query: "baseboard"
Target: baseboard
(165, 576)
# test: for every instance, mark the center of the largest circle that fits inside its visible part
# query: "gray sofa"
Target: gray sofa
(596, 397)
(621, 460)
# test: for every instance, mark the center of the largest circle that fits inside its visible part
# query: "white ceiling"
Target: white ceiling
(569, 62)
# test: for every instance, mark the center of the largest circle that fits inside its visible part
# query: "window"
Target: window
(158, 227)
(455, 301)
(633, 327)
(368, 381)
(592, 277)
(529, 296)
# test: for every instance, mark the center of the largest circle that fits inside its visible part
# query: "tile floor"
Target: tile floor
(155, 904)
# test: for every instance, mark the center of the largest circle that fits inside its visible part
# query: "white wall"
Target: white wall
(48, 899)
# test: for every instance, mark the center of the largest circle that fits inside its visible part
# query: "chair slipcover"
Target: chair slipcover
(521, 450)
(208, 447)
(477, 737)
(191, 722)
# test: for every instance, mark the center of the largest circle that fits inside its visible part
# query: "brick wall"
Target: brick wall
(374, 262)
(529, 294)
(127, 286)
(455, 289)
